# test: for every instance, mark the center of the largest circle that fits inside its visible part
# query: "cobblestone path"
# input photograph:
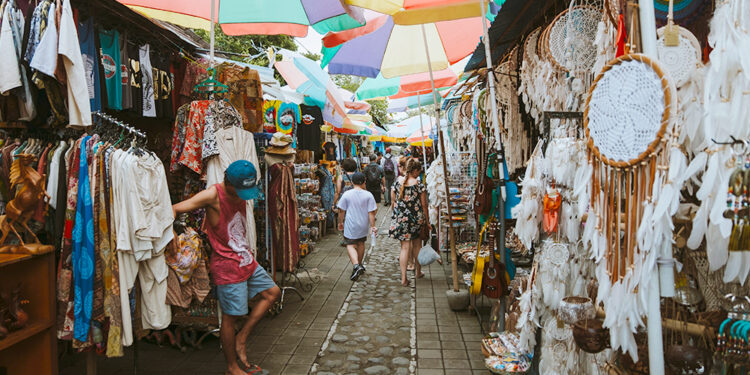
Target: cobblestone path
(375, 331)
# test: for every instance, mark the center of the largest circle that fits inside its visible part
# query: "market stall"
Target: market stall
(603, 266)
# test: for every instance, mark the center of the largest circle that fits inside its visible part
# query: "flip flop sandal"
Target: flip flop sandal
(256, 370)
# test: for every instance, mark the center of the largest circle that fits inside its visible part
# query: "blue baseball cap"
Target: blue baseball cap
(244, 179)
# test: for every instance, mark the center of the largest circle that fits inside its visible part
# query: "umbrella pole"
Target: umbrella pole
(421, 128)
(451, 235)
(213, 37)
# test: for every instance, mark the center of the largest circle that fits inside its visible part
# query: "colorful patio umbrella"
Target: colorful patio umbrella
(305, 76)
(267, 17)
(398, 50)
(414, 12)
(420, 137)
(406, 103)
(399, 87)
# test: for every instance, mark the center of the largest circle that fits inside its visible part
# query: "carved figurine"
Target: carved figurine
(19, 210)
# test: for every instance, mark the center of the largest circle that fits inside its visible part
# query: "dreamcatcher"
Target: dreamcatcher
(680, 54)
(726, 113)
(569, 46)
(571, 38)
(529, 92)
(626, 122)
(515, 139)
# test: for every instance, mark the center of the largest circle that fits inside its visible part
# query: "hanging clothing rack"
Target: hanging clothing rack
(119, 123)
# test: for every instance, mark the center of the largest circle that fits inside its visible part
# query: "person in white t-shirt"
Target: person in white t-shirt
(356, 218)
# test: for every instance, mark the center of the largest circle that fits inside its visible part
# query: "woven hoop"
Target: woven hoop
(530, 45)
(607, 126)
(571, 36)
(680, 61)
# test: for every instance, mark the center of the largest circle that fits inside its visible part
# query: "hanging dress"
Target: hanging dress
(282, 210)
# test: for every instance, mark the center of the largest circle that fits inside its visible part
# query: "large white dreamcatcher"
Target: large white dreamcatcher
(628, 126)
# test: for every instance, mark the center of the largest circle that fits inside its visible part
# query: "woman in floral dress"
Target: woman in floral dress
(409, 217)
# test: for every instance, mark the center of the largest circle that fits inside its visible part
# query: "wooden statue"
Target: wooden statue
(18, 211)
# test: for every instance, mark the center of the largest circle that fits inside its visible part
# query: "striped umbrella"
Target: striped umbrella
(414, 12)
(404, 86)
(397, 50)
(266, 17)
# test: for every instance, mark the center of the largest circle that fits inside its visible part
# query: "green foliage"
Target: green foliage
(347, 82)
(379, 110)
(243, 45)
(312, 56)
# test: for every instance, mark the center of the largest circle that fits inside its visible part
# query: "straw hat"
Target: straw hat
(280, 139)
(286, 150)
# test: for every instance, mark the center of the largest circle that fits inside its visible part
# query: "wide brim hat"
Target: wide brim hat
(280, 139)
(284, 150)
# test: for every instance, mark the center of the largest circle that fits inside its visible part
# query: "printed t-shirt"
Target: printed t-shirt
(127, 93)
(308, 133)
(270, 108)
(163, 85)
(135, 77)
(90, 62)
(110, 48)
(358, 204)
(287, 118)
(329, 150)
(147, 81)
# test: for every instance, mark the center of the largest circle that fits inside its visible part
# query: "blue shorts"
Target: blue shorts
(233, 298)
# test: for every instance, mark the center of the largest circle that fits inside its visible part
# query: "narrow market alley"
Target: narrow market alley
(372, 326)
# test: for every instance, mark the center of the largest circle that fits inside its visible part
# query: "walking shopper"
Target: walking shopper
(234, 270)
(375, 178)
(410, 217)
(357, 215)
(390, 170)
(344, 181)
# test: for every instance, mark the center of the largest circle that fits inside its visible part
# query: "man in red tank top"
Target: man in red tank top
(234, 270)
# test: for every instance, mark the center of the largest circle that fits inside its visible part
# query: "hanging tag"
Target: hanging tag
(560, 323)
(671, 35)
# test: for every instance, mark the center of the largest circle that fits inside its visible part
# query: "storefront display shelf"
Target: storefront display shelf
(24, 333)
(33, 348)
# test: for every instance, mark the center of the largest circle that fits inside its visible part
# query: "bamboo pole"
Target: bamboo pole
(451, 235)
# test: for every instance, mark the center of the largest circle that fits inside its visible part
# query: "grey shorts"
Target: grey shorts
(349, 241)
(233, 298)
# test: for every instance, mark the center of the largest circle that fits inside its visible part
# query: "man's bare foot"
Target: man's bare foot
(239, 345)
(421, 275)
(405, 282)
(235, 370)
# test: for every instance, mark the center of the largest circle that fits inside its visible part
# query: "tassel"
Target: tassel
(610, 190)
(618, 209)
(628, 212)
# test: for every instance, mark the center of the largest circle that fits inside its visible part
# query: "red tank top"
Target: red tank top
(231, 261)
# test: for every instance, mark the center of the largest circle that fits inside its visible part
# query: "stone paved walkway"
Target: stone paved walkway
(302, 340)
(375, 330)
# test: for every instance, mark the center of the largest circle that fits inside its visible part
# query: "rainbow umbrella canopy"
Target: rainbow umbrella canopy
(396, 50)
(414, 12)
(399, 87)
(265, 17)
(305, 76)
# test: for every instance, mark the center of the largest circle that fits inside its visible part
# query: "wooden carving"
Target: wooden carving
(30, 191)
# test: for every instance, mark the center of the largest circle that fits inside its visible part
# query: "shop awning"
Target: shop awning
(513, 21)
